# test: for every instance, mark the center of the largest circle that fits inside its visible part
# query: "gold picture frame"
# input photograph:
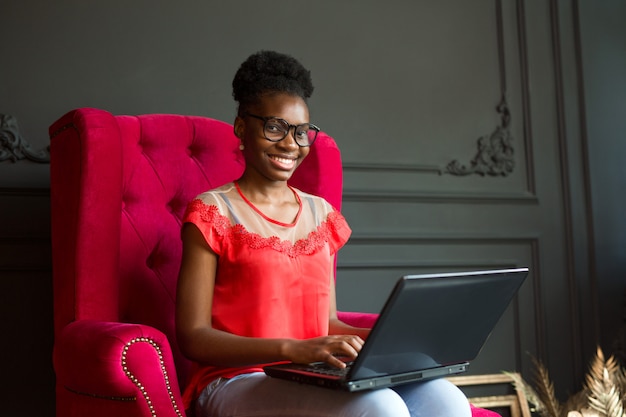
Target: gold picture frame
(516, 403)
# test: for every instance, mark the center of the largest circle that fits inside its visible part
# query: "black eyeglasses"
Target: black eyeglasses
(276, 129)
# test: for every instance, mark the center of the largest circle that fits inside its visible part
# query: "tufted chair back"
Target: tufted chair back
(119, 188)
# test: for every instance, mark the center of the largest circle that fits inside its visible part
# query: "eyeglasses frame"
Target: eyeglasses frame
(265, 119)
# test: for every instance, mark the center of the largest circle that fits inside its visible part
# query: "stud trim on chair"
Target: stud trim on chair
(138, 383)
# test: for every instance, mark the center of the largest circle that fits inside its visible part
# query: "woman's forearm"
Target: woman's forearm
(215, 347)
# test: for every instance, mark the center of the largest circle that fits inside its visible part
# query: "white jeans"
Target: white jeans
(261, 396)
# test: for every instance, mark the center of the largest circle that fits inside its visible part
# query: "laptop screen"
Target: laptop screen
(435, 320)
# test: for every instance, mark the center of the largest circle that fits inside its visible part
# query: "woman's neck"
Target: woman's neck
(280, 209)
(275, 193)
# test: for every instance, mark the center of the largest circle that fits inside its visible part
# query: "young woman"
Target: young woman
(256, 283)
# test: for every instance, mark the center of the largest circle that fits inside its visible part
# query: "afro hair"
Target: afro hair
(270, 72)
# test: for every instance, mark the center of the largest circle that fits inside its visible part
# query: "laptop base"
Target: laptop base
(304, 376)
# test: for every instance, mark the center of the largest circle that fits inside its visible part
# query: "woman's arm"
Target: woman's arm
(200, 342)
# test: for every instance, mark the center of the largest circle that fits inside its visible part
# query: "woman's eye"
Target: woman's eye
(273, 127)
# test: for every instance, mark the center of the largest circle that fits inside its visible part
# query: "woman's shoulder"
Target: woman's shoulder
(314, 199)
(216, 194)
(211, 202)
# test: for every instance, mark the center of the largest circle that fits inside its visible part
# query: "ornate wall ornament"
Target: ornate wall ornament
(14, 147)
(495, 154)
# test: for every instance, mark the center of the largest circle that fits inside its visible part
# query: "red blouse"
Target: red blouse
(273, 279)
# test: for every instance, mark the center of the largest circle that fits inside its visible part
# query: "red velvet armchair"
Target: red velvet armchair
(119, 188)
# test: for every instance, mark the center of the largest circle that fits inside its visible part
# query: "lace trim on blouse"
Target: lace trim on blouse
(238, 234)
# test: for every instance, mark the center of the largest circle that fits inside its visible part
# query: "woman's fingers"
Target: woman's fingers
(329, 349)
(344, 346)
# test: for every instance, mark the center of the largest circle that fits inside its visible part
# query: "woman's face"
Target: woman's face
(272, 161)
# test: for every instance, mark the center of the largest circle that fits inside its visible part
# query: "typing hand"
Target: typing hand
(334, 350)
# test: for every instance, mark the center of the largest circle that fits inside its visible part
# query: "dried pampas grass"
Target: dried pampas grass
(603, 394)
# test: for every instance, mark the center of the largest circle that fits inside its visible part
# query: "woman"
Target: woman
(256, 284)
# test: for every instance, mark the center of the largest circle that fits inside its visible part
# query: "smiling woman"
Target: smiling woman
(276, 158)
(257, 285)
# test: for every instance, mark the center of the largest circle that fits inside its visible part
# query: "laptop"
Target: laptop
(431, 326)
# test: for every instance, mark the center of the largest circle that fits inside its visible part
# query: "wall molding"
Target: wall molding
(408, 196)
(495, 154)
(391, 167)
(526, 121)
(25, 192)
(13, 147)
(447, 265)
(422, 238)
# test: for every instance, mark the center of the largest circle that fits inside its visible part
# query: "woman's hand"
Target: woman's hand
(327, 349)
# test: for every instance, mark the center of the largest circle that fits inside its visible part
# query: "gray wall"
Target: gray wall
(405, 88)
(604, 68)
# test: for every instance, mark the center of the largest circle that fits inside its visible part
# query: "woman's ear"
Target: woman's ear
(239, 127)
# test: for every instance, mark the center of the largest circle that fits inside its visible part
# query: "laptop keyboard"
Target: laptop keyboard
(326, 369)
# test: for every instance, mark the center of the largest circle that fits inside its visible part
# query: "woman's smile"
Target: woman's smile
(283, 162)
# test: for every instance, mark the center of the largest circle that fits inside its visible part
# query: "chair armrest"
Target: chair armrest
(120, 362)
(482, 412)
(364, 320)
